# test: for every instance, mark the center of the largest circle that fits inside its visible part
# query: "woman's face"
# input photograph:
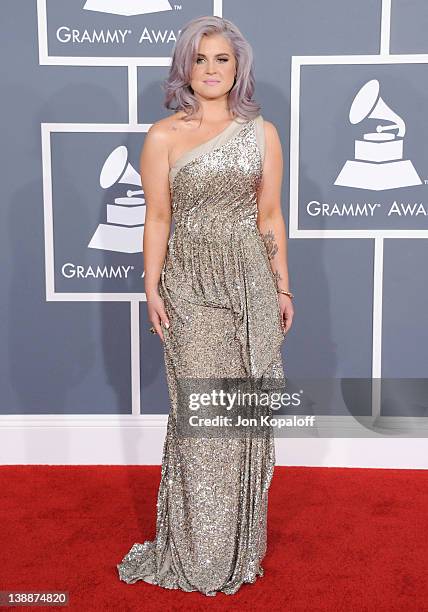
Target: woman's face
(215, 62)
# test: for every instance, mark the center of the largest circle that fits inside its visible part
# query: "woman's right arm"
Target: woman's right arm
(154, 170)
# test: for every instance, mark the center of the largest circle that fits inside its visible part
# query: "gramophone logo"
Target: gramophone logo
(378, 162)
(124, 229)
(128, 7)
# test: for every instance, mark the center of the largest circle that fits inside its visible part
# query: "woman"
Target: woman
(218, 296)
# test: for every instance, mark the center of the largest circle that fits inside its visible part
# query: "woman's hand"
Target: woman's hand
(286, 310)
(156, 311)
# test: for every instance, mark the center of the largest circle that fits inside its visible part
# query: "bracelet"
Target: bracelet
(290, 295)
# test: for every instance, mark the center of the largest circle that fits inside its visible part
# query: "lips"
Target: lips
(211, 82)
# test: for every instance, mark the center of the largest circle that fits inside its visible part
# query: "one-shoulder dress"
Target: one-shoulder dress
(220, 296)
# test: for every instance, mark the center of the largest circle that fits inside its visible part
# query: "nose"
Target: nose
(210, 67)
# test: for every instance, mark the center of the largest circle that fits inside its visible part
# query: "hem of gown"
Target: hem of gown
(167, 579)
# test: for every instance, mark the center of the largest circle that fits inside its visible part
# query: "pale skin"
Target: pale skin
(165, 143)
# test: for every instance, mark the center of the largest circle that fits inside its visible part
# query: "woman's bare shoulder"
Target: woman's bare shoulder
(165, 130)
(272, 138)
(270, 129)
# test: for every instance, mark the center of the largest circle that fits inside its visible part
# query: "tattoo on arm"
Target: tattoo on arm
(271, 246)
(278, 277)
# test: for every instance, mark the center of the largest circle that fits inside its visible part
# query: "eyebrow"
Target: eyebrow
(216, 55)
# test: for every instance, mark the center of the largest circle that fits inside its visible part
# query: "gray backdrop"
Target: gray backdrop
(83, 83)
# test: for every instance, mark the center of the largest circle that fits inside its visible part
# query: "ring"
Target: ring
(152, 330)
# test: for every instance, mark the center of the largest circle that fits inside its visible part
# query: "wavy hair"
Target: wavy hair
(178, 91)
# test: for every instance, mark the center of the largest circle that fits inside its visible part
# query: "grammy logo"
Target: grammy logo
(379, 162)
(124, 229)
(127, 7)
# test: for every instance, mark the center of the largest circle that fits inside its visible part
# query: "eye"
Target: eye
(221, 59)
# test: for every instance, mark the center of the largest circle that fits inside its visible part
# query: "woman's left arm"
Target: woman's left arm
(270, 220)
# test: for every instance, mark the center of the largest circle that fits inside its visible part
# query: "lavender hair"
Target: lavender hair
(178, 92)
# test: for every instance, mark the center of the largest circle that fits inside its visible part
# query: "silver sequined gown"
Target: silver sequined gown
(220, 296)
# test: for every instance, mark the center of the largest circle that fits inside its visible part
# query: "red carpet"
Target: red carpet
(339, 539)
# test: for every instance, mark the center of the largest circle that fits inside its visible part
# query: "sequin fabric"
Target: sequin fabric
(220, 296)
